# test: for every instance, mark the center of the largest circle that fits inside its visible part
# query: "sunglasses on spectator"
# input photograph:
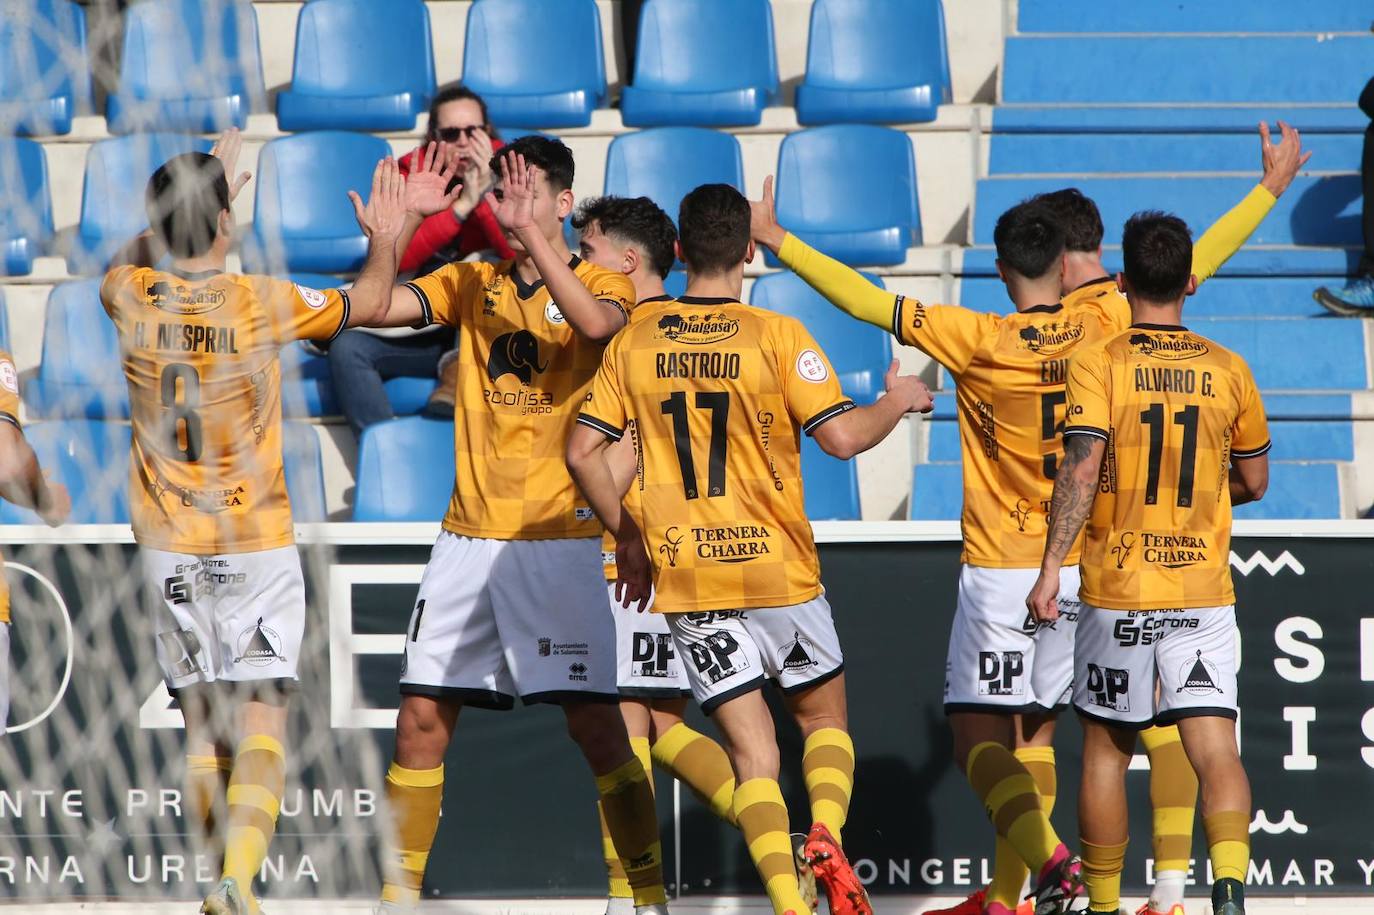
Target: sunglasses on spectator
(451, 134)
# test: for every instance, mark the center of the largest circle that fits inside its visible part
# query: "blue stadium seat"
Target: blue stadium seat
(1192, 16)
(1316, 264)
(706, 62)
(865, 215)
(859, 352)
(303, 219)
(1298, 490)
(1075, 154)
(112, 193)
(300, 448)
(4, 324)
(307, 386)
(90, 458)
(830, 487)
(537, 63)
(869, 61)
(1219, 297)
(675, 284)
(944, 441)
(1292, 354)
(1310, 427)
(937, 492)
(187, 65)
(44, 73)
(1150, 119)
(425, 446)
(1316, 211)
(665, 163)
(359, 65)
(25, 207)
(80, 375)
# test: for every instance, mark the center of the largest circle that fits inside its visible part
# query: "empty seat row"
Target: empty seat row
(1219, 297)
(359, 64)
(1173, 153)
(1131, 16)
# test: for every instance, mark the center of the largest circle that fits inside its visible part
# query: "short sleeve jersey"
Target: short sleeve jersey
(1009, 373)
(200, 355)
(9, 413)
(1174, 408)
(719, 393)
(523, 372)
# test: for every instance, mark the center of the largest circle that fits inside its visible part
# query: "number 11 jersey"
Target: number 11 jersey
(719, 392)
(200, 354)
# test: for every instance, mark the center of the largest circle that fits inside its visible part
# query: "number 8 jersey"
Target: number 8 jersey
(200, 354)
(719, 392)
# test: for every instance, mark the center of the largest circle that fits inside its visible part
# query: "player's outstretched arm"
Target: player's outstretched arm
(587, 315)
(843, 286)
(589, 457)
(1249, 479)
(1282, 161)
(375, 299)
(857, 430)
(1075, 486)
(22, 481)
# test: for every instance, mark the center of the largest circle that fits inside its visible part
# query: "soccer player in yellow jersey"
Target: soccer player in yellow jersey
(207, 489)
(633, 236)
(719, 393)
(1165, 433)
(1006, 676)
(21, 483)
(513, 602)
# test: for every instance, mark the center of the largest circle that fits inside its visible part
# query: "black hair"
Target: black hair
(184, 199)
(637, 220)
(1077, 216)
(713, 226)
(546, 153)
(1157, 255)
(1028, 239)
(455, 93)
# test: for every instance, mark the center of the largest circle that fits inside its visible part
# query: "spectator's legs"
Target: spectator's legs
(360, 362)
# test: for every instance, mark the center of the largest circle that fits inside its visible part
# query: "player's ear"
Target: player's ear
(226, 223)
(629, 262)
(1001, 274)
(677, 251)
(1121, 283)
(565, 204)
(750, 251)
(1192, 284)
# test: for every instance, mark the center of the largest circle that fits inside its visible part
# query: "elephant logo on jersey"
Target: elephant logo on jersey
(515, 354)
(1122, 551)
(1021, 514)
(260, 646)
(673, 542)
(1199, 677)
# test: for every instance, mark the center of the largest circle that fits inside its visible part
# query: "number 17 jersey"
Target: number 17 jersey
(720, 393)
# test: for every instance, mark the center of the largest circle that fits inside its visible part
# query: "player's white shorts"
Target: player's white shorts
(234, 616)
(1120, 654)
(729, 652)
(4, 676)
(647, 662)
(496, 619)
(999, 659)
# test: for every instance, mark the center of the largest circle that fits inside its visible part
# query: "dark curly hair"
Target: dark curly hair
(636, 220)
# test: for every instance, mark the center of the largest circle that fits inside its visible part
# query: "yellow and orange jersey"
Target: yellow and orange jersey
(200, 355)
(720, 393)
(1009, 373)
(1174, 408)
(9, 413)
(1102, 295)
(522, 375)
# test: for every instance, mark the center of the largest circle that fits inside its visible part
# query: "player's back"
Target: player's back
(719, 393)
(1174, 409)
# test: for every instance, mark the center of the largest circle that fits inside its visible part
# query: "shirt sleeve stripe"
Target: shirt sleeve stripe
(815, 422)
(1087, 430)
(605, 428)
(347, 309)
(617, 305)
(426, 310)
(897, 316)
(1253, 452)
(10, 418)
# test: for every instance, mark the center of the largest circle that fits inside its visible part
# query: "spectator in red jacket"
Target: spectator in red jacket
(362, 360)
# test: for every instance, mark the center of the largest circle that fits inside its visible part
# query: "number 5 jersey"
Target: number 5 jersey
(200, 354)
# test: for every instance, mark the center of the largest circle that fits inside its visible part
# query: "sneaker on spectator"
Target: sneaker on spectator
(440, 404)
(1354, 299)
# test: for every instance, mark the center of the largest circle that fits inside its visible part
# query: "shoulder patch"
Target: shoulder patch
(9, 378)
(812, 367)
(312, 297)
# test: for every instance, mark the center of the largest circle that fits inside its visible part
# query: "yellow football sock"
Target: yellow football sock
(762, 817)
(1102, 866)
(615, 869)
(1009, 872)
(828, 769)
(254, 797)
(1173, 795)
(1228, 843)
(701, 764)
(414, 797)
(627, 801)
(1009, 795)
(207, 780)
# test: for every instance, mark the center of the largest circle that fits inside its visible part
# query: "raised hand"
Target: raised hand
(477, 178)
(514, 209)
(909, 389)
(382, 217)
(1282, 161)
(426, 187)
(763, 219)
(227, 149)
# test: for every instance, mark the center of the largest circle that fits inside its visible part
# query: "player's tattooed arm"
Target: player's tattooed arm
(1075, 487)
